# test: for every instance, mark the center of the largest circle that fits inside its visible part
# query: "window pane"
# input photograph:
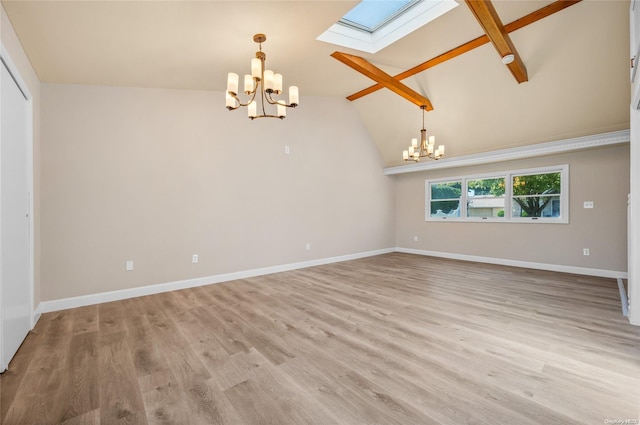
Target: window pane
(536, 206)
(531, 195)
(446, 190)
(445, 208)
(369, 15)
(485, 197)
(536, 184)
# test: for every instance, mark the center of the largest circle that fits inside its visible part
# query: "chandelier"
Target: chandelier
(264, 82)
(426, 149)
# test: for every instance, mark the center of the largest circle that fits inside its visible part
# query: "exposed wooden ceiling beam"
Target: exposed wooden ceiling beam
(376, 74)
(470, 45)
(490, 22)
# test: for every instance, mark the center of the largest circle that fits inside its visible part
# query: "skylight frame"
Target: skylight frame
(362, 27)
(403, 24)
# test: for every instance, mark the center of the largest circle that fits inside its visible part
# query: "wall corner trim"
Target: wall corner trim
(529, 151)
(103, 297)
(613, 274)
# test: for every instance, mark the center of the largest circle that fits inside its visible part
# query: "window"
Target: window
(485, 197)
(370, 15)
(445, 199)
(535, 195)
(373, 25)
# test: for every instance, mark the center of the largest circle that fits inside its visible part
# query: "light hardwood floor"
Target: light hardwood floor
(393, 339)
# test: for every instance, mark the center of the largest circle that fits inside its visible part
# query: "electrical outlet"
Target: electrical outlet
(588, 204)
(585, 251)
(194, 258)
(415, 238)
(128, 266)
(287, 150)
(308, 246)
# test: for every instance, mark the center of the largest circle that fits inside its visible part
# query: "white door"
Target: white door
(15, 292)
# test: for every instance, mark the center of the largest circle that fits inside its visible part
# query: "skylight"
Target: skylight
(369, 15)
(374, 24)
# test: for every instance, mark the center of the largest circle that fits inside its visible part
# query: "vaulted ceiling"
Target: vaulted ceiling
(576, 60)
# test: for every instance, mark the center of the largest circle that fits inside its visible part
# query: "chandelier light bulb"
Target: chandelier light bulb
(282, 111)
(232, 83)
(231, 102)
(293, 95)
(248, 84)
(256, 68)
(268, 79)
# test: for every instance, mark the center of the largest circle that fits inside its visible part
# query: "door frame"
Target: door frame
(6, 60)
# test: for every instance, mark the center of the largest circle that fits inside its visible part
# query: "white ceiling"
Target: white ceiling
(577, 61)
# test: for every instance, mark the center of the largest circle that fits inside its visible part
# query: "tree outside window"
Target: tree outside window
(445, 199)
(533, 195)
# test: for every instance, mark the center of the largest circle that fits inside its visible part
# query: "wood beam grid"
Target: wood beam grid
(376, 74)
(490, 22)
(470, 45)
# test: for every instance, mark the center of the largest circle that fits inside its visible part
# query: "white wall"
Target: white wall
(155, 176)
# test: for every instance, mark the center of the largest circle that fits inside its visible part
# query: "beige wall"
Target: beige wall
(155, 176)
(600, 175)
(21, 61)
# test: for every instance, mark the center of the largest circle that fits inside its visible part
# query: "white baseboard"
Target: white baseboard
(35, 317)
(84, 300)
(103, 297)
(516, 263)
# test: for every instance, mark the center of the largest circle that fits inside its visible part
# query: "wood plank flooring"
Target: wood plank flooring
(393, 339)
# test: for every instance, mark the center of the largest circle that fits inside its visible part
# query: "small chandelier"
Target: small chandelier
(426, 149)
(263, 81)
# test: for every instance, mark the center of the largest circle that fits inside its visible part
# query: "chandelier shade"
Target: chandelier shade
(263, 84)
(425, 148)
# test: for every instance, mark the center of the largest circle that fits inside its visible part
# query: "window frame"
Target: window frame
(402, 24)
(508, 196)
